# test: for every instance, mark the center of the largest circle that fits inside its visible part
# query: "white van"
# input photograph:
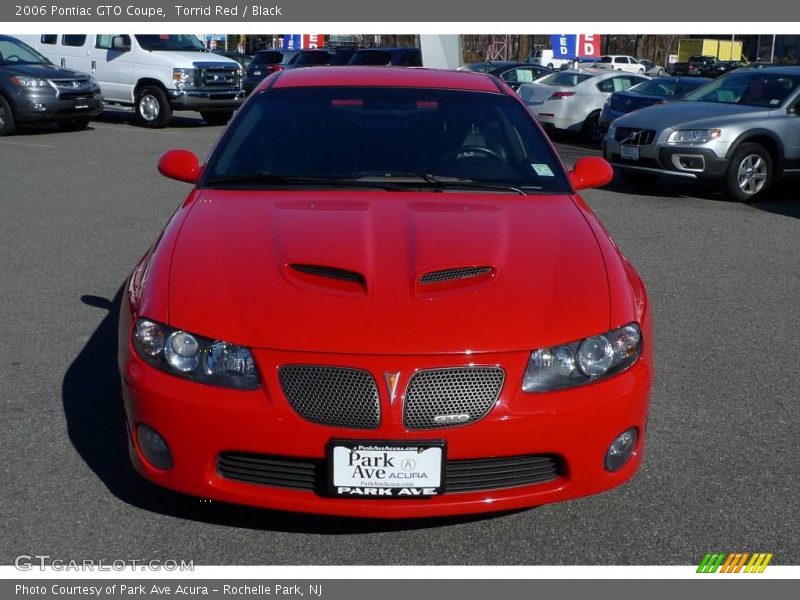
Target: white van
(154, 74)
(545, 58)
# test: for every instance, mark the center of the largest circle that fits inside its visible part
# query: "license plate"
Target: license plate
(366, 469)
(629, 152)
(81, 103)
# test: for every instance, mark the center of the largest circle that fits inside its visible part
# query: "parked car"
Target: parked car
(266, 62)
(651, 69)
(241, 57)
(32, 89)
(699, 66)
(544, 57)
(739, 132)
(515, 74)
(331, 375)
(402, 57)
(572, 100)
(153, 74)
(655, 91)
(621, 62)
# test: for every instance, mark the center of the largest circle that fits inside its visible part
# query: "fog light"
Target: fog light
(154, 447)
(621, 450)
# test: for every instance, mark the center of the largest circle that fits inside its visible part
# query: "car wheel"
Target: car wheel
(217, 117)
(749, 172)
(591, 131)
(7, 123)
(550, 66)
(661, 72)
(641, 71)
(73, 124)
(152, 107)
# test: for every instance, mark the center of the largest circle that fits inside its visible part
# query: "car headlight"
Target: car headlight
(694, 136)
(194, 357)
(583, 361)
(183, 78)
(29, 82)
(612, 130)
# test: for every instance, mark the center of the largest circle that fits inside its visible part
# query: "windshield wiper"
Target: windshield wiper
(278, 179)
(445, 182)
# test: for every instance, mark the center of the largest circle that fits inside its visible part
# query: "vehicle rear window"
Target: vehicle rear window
(268, 58)
(568, 78)
(399, 135)
(605, 59)
(372, 57)
(319, 57)
(666, 88)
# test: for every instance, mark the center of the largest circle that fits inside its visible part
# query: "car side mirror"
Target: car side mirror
(591, 172)
(119, 44)
(180, 164)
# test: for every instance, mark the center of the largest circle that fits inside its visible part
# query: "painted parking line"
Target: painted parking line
(94, 125)
(30, 144)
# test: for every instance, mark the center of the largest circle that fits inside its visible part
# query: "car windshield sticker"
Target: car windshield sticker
(542, 170)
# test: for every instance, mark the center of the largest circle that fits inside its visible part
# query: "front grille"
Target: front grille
(451, 274)
(635, 137)
(213, 78)
(278, 471)
(448, 397)
(497, 473)
(329, 272)
(72, 88)
(482, 474)
(335, 396)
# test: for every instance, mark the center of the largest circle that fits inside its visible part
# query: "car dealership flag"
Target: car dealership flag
(570, 45)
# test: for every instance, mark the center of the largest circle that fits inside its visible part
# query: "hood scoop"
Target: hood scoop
(445, 280)
(327, 276)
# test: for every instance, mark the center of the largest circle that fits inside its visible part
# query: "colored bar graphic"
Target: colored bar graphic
(734, 562)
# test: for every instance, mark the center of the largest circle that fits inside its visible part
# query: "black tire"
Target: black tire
(660, 73)
(216, 117)
(749, 173)
(8, 124)
(152, 107)
(73, 124)
(550, 66)
(591, 131)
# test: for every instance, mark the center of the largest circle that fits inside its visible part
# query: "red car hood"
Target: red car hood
(230, 276)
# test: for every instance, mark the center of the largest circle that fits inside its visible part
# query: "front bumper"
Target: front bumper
(32, 107)
(200, 422)
(688, 162)
(203, 100)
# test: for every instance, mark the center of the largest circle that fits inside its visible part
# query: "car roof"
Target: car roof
(364, 76)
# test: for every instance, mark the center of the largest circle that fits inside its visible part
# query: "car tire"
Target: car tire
(73, 124)
(660, 72)
(8, 124)
(641, 71)
(550, 66)
(152, 107)
(749, 172)
(591, 131)
(216, 117)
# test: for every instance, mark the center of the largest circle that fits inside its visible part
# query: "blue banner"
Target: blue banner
(564, 45)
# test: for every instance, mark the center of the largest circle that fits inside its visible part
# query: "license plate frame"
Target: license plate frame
(628, 152)
(410, 486)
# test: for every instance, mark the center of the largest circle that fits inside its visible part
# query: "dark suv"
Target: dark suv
(266, 62)
(32, 89)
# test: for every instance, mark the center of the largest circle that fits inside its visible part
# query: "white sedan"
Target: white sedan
(572, 100)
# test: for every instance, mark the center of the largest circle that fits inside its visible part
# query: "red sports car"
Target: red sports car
(384, 298)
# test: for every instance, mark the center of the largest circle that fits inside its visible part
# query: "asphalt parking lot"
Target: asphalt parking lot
(721, 468)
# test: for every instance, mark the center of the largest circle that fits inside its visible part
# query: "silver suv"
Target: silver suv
(740, 130)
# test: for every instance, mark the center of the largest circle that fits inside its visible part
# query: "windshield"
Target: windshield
(406, 137)
(170, 42)
(668, 88)
(751, 88)
(14, 52)
(567, 78)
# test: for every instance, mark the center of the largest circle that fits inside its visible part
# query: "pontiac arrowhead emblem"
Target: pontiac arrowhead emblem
(391, 384)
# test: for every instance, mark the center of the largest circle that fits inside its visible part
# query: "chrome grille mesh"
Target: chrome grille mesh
(335, 396)
(470, 391)
(451, 274)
